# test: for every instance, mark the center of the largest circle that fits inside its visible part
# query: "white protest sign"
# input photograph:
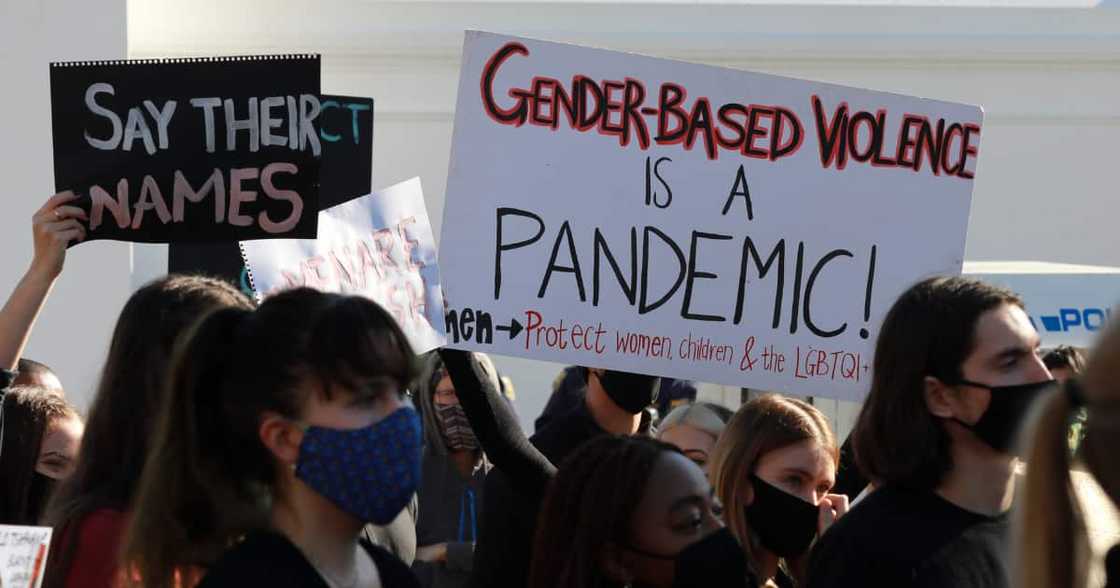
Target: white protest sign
(379, 246)
(612, 210)
(23, 555)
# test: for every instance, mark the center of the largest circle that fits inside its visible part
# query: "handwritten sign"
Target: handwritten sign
(346, 171)
(190, 149)
(612, 210)
(23, 555)
(379, 246)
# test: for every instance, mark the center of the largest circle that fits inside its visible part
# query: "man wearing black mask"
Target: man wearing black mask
(956, 371)
(613, 404)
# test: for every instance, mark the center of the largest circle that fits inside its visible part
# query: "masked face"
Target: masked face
(371, 472)
(450, 418)
(631, 392)
(784, 524)
(1007, 410)
(714, 561)
(1004, 361)
(455, 428)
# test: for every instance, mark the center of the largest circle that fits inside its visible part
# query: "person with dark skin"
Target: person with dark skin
(613, 404)
(956, 370)
(629, 511)
(714, 560)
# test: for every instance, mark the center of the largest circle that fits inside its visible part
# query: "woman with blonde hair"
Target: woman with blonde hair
(694, 429)
(772, 469)
(1052, 544)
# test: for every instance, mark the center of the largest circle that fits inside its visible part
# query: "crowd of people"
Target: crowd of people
(302, 442)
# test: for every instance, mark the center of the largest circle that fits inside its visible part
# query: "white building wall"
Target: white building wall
(72, 335)
(1048, 79)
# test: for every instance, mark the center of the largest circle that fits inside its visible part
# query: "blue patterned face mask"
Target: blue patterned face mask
(370, 472)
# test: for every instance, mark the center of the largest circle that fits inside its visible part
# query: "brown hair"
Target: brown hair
(929, 331)
(762, 425)
(1052, 542)
(589, 506)
(27, 414)
(208, 478)
(129, 396)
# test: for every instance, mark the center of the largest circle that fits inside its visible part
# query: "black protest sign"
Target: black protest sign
(346, 172)
(346, 132)
(190, 150)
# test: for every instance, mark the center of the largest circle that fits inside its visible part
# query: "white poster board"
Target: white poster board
(379, 246)
(23, 555)
(1068, 304)
(613, 210)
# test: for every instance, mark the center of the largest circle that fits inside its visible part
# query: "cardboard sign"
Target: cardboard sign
(190, 149)
(1067, 304)
(619, 211)
(346, 169)
(379, 246)
(23, 555)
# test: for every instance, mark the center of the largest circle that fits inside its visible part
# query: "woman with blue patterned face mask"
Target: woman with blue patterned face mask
(286, 431)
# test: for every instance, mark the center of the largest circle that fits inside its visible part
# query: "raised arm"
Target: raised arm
(496, 426)
(54, 227)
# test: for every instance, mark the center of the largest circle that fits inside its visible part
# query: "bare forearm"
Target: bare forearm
(19, 314)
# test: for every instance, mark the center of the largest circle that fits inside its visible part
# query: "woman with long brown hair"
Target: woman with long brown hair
(90, 510)
(773, 469)
(1051, 542)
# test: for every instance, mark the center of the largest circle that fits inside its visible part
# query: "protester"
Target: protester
(53, 227)
(570, 385)
(34, 373)
(956, 368)
(613, 403)
(631, 511)
(694, 429)
(772, 470)
(39, 447)
(716, 560)
(1052, 546)
(89, 511)
(1064, 362)
(285, 431)
(453, 473)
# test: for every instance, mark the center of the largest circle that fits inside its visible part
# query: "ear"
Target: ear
(614, 566)
(281, 436)
(939, 398)
(747, 492)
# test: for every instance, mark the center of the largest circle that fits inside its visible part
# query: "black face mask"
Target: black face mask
(38, 494)
(1006, 412)
(631, 392)
(716, 561)
(784, 524)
